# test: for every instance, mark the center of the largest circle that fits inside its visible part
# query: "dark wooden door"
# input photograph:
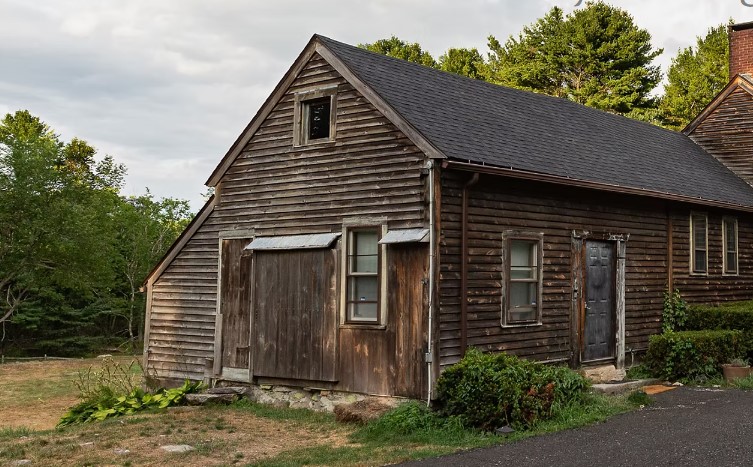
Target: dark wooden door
(295, 314)
(599, 326)
(235, 307)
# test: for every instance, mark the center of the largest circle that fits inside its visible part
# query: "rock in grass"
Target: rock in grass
(21, 462)
(122, 452)
(177, 448)
(360, 412)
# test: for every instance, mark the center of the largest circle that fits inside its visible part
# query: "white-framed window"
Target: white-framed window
(363, 281)
(315, 116)
(699, 243)
(729, 246)
(522, 295)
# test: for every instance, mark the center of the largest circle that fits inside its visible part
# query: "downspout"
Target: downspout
(432, 266)
(464, 264)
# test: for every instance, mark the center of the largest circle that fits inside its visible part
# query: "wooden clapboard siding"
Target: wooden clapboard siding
(391, 360)
(497, 204)
(371, 173)
(727, 133)
(714, 287)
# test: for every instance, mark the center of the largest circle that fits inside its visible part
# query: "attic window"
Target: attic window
(315, 116)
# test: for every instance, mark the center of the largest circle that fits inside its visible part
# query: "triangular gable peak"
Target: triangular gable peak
(725, 127)
(316, 46)
(742, 82)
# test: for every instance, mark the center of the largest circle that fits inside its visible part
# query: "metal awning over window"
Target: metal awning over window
(405, 236)
(293, 242)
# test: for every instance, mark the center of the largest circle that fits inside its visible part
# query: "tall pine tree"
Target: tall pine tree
(696, 75)
(596, 56)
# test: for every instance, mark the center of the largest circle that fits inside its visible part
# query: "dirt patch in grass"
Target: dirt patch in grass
(219, 436)
(36, 394)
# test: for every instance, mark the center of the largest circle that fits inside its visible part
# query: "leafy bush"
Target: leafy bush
(692, 355)
(491, 390)
(738, 315)
(675, 311)
(106, 405)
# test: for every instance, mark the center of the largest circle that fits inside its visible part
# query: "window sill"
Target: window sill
(315, 144)
(364, 327)
(522, 325)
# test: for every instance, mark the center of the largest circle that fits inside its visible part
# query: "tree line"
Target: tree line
(73, 250)
(596, 56)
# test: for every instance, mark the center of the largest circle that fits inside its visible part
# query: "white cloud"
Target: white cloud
(166, 86)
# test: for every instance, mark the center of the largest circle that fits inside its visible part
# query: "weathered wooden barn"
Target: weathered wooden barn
(376, 218)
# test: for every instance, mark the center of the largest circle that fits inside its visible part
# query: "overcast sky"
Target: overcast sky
(165, 86)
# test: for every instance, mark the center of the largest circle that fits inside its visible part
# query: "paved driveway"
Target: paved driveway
(688, 427)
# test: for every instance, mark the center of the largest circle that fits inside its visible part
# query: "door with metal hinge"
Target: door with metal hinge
(599, 317)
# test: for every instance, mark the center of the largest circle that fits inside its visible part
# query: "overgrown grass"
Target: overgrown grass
(9, 433)
(411, 432)
(639, 372)
(743, 383)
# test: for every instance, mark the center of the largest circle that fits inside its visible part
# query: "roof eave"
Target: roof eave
(571, 182)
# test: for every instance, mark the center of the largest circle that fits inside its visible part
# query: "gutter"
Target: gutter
(432, 266)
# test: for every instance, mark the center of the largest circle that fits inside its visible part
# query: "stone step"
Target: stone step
(204, 398)
(623, 386)
(237, 390)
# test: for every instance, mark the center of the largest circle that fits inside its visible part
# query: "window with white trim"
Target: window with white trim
(699, 245)
(729, 242)
(362, 276)
(523, 279)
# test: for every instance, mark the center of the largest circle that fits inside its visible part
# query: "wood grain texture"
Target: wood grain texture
(727, 133)
(500, 204)
(295, 314)
(372, 171)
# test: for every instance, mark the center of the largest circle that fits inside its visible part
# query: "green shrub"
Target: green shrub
(692, 355)
(487, 391)
(675, 311)
(738, 315)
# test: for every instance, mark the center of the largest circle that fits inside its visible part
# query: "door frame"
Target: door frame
(217, 363)
(578, 306)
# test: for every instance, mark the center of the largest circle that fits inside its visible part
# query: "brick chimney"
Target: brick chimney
(740, 49)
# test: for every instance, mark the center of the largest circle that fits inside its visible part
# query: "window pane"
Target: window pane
(318, 118)
(700, 261)
(731, 262)
(364, 264)
(523, 294)
(362, 289)
(365, 243)
(522, 253)
(522, 315)
(699, 232)
(363, 311)
(364, 257)
(730, 236)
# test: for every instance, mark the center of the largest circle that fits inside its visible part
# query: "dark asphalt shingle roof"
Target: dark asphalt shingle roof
(469, 120)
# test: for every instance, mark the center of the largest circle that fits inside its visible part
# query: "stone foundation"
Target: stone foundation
(308, 398)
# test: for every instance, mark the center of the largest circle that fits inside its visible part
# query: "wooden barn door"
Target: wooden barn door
(295, 314)
(600, 309)
(234, 307)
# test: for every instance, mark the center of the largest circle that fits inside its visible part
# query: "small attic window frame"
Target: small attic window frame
(303, 101)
